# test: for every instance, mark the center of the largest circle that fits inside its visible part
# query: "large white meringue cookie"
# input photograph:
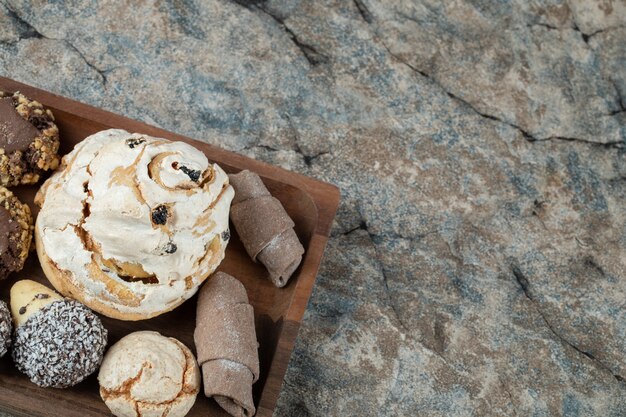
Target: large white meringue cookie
(131, 225)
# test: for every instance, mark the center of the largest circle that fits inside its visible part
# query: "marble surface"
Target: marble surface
(477, 265)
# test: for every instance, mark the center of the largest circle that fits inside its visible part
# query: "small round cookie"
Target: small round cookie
(29, 140)
(58, 342)
(16, 230)
(5, 328)
(164, 374)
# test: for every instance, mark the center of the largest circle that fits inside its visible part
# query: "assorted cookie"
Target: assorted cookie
(29, 140)
(226, 344)
(57, 342)
(147, 374)
(264, 227)
(169, 209)
(168, 205)
(16, 227)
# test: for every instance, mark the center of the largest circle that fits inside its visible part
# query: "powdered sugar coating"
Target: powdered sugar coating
(5, 328)
(60, 345)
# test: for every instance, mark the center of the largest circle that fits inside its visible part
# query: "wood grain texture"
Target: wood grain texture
(278, 312)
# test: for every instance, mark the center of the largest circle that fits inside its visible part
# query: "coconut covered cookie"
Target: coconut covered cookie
(57, 342)
(5, 328)
(147, 374)
(29, 140)
(16, 228)
(131, 225)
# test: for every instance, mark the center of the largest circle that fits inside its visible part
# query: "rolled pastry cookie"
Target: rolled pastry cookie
(226, 344)
(264, 227)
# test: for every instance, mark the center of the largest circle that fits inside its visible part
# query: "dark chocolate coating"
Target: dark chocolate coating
(16, 133)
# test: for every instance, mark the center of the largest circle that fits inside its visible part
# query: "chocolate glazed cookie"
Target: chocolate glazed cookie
(16, 229)
(29, 140)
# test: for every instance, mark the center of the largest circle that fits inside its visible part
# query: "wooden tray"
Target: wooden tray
(278, 312)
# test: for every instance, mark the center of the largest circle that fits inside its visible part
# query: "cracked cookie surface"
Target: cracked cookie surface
(147, 374)
(167, 223)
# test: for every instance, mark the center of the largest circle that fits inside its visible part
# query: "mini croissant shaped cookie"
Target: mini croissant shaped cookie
(131, 225)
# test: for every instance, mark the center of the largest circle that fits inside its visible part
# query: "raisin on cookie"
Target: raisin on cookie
(29, 140)
(16, 230)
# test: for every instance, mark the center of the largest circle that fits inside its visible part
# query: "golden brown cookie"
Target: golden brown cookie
(16, 229)
(29, 140)
(147, 374)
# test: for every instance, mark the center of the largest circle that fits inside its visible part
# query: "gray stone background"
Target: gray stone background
(477, 265)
